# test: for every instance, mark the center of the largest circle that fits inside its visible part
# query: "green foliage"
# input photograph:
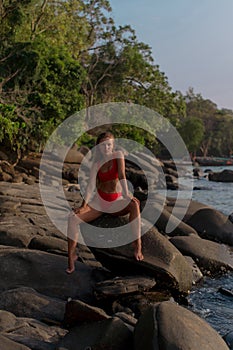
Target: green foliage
(11, 128)
(192, 132)
(58, 57)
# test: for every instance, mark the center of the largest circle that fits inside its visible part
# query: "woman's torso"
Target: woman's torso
(107, 177)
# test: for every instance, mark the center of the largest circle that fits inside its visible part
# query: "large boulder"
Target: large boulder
(213, 225)
(155, 210)
(168, 326)
(223, 176)
(209, 256)
(26, 302)
(78, 312)
(161, 259)
(45, 273)
(27, 333)
(111, 334)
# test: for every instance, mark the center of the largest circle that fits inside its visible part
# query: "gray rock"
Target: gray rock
(107, 334)
(161, 259)
(7, 344)
(213, 225)
(48, 244)
(168, 326)
(209, 256)
(34, 334)
(79, 312)
(229, 339)
(45, 273)
(223, 176)
(26, 302)
(120, 286)
(197, 274)
(16, 231)
(7, 319)
(156, 210)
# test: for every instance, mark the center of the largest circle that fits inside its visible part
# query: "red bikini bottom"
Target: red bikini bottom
(109, 197)
(105, 198)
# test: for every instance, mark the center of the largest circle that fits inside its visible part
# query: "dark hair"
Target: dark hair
(104, 135)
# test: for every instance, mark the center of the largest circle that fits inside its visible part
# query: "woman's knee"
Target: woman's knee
(72, 217)
(135, 204)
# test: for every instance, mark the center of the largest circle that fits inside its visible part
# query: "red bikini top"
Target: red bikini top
(109, 175)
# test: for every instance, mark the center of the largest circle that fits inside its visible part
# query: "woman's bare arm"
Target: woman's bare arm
(121, 173)
(90, 186)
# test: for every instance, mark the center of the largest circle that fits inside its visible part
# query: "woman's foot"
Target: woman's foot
(138, 251)
(71, 264)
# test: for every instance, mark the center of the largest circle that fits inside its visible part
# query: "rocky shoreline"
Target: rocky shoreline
(111, 301)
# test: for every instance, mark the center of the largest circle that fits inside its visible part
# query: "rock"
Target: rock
(5, 176)
(213, 225)
(3, 156)
(223, 176)
(156, 210)
(122, 286)
(7, 319)
(49, 244)
(126, 318)
(45, 273)
(208, 255)
(80, 312)
(74, 156)
(34, 334)
(16, 231)
(197, 274)
(161, 259)
(169, 326)
(183, 207)
(229, 339)
(26, 302)
(7, 344)
(226, 291)
(107, 334)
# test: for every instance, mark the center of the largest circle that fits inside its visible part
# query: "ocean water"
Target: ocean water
(205, 299)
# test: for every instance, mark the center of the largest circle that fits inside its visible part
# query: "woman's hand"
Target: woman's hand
(79, 210)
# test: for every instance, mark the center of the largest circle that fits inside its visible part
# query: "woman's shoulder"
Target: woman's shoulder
(118, 154)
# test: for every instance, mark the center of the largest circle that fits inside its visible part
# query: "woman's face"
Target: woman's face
(106, 146)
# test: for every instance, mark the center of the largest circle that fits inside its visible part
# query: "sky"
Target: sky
(191, 41)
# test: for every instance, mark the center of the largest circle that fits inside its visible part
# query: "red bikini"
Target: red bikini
(109, 175)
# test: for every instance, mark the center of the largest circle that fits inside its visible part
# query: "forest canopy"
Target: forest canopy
(59, 57)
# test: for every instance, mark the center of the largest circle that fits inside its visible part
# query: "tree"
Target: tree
(205, 110)
(192, 131)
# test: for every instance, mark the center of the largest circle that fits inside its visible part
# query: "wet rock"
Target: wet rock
(226, 291)
(169, 326)
(197, 274)
(229, 339)
(209, 256)
(223, 176)
(213, 225)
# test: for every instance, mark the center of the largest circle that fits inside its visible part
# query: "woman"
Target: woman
(108, 175)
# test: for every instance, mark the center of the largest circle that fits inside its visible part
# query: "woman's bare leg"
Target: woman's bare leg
(133, 208)
(135, 219)
(87, 214)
